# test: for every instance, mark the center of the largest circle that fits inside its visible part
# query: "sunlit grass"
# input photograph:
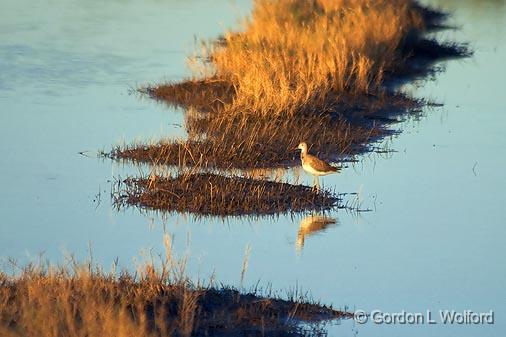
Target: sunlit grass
(83, 300)
(294, 71)
(293, 54)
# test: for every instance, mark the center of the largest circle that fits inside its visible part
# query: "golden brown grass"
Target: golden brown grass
(250, 142)
(296, 70)
(294, 54)
(81, 300)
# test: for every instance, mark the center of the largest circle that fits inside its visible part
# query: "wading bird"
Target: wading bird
(314, 165)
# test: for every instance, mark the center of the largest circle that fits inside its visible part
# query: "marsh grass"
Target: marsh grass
(82, 300)
(297, 70)
(214, 194)
(254, 142)
(251, 143)
(318, 71)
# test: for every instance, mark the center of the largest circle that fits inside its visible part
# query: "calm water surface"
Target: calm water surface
(435, 237)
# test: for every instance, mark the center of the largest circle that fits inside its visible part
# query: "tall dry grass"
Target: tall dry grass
(82, 300)
(292, 54)
(297, 70)
(54, 303)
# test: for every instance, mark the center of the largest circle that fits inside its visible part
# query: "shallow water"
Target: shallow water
(434, 237)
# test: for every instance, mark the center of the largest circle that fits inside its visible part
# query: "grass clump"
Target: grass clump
(296, 70)
(252, 143)
(294, 54)
(214, 194)
(82, 300)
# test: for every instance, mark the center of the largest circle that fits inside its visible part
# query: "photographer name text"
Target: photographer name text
(427, 317)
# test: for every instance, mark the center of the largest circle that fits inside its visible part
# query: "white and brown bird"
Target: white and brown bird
(314, 165)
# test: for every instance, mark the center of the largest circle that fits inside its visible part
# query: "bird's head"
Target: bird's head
(302, 146)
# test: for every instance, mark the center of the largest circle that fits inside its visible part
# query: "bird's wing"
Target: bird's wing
(320, 165)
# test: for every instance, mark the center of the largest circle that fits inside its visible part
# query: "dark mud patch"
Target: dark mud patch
(213, 194)
(251, 314)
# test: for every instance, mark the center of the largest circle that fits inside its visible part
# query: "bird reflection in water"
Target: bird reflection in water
(311, 225)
